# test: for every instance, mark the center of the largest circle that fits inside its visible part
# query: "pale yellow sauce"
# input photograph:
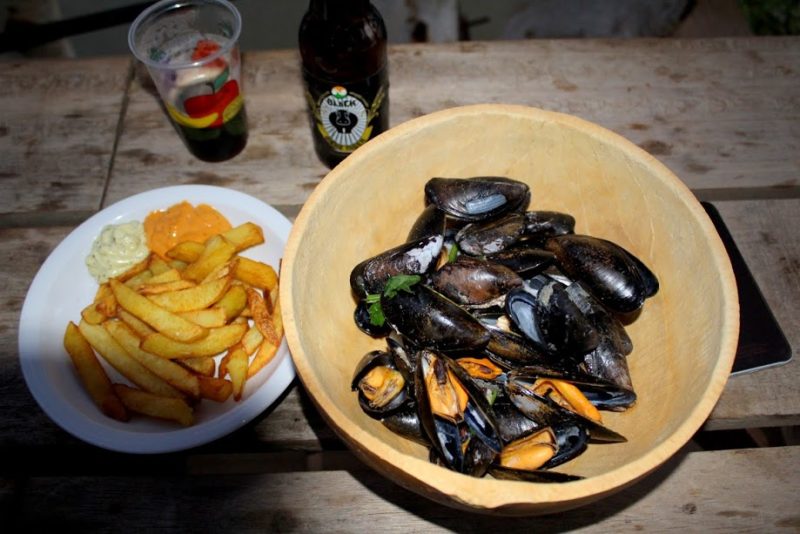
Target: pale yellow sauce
(118, 248)
(182, 222)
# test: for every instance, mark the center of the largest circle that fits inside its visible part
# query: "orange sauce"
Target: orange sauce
(182, 222)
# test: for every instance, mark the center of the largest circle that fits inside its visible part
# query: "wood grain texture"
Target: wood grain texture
(763, 233)
(721, 113)
(693, 489)
(58, 122)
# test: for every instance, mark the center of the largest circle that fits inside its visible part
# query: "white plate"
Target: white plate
(63, 287)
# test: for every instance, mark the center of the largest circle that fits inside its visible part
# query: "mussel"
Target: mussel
(491, 236)
(413, 257)
(478, 198)
(473, 282)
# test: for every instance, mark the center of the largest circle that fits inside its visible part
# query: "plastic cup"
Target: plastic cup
(191, 50)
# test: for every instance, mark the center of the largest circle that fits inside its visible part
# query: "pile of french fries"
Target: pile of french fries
(162, 323)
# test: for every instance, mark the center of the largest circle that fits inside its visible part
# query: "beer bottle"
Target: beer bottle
(345, 72)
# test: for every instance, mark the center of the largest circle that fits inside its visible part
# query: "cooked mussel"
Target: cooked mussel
(428, 319)
(540, 225)
(382, 387)
(612, 274)
(492, 235)
(473, 282)
(431, 222)
(478, 198)
(414, 257)
(523, 259)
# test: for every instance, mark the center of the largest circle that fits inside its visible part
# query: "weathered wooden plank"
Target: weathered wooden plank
(763, 232)
(691, 491)
(720, 113)
(58, 122)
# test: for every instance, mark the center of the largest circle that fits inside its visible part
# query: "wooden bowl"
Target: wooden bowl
(684, 340)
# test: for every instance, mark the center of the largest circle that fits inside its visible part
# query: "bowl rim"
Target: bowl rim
(484, 494)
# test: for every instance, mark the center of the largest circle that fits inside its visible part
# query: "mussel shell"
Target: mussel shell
(539, 475)
(362, 320)
(510, 350)
(405, 422)
(608, 364)
(491, 236)
(608, 270)
(470, 281)
(546, 412)
(525, 260)
(572, 439)
(430, 320)
(609, 326)
(371, 360)
(544, 313)
(478, 198)
(413, 257)
(540, 225)
(431, 222)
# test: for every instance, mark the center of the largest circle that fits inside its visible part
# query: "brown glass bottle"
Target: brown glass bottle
(345, 74)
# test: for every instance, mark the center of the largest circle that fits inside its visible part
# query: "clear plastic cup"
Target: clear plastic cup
(191, 50)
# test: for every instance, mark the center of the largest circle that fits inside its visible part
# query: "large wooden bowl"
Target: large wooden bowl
(684, 340)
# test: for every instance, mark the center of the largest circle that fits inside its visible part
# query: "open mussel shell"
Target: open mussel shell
(491, 236)
(607, 364)
(473, 282)
(547, 412)
(430, 320)
(611, 273)
(414, 257)
(478, 198)
(453, 418)
(544, 313)
(382, 387)
(405, 422)
(602, 393)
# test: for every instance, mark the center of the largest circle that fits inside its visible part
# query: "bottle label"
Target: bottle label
(344, 116)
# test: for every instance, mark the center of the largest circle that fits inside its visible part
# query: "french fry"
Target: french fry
(217, 340)
(266, 351)
(201, 365)
(215, 389)
(92, 374)
(141, 328)
(233, 302)
(245, 236)
(175, 375)
(166, 287)
(235, 365)
(164, 321)
(90, 313)
(186, 251)
(138, 268)
(256, 274)
(209, 317)
(145, 403)
(139, 279)
(106, 303)
(157, 265)
(195, 298)
(100, 339)
(166, 275)
(261, 316)
(217, 251)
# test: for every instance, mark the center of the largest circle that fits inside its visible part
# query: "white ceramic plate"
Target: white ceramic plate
(63, 287)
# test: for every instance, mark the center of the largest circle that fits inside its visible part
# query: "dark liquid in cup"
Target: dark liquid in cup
(216, 144)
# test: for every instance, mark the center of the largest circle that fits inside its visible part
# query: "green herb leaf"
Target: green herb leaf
(372, 298)
(376, 316)
(452, 254)
(400, 282)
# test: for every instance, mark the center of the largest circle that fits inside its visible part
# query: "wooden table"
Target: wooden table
(77, 135)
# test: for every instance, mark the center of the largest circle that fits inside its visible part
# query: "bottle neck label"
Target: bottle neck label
(346, 116)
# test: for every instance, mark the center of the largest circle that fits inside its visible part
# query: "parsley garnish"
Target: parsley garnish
(395, 284)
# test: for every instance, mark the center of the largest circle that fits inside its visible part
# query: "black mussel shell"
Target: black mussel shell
(571, 441)
(413, 257)
(544, 313)
(511, 423)
(491, 236)
(470, 281)
(371, 360)
(540, 225)
(523, 259)
(362, 320)
(510, 350)
(406, 423)
(430, 320)
(431, 222)
(540, 475)
(606, 363)
(609, 271)
(478, 198)
(609, 326)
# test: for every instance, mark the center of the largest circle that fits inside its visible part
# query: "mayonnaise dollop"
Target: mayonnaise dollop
(117, 249)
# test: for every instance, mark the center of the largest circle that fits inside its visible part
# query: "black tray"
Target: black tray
(761, 341)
